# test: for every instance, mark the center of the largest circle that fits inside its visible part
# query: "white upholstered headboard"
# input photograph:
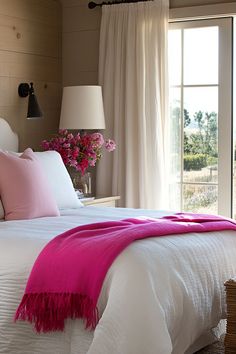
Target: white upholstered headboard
(8, 139)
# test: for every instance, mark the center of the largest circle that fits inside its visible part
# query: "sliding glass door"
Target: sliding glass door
(200, 72)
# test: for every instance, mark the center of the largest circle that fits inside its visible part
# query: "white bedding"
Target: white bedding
(159, 297)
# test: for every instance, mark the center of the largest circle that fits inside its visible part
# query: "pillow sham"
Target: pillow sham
(24, 189)
(59, 180)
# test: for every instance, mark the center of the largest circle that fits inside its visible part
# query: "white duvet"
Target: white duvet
(161, 295)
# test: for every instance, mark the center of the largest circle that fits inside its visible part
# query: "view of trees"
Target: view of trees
(200, 158)
(200, 139)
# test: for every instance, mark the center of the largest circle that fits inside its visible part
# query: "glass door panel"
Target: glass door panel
(200, 106)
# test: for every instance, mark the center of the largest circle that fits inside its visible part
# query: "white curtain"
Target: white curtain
(133, 75)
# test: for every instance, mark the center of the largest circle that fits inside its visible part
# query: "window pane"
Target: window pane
(200, 198)
(201, 56)
(174, 57)
(200, 134)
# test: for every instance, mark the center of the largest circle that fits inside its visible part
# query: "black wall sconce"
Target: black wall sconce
(34, 110)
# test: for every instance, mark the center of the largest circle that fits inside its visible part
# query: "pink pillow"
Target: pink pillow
(24, 188)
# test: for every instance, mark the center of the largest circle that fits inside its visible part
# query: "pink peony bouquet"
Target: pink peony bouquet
(79, 151)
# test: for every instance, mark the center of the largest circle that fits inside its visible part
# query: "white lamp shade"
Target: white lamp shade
(82, 108)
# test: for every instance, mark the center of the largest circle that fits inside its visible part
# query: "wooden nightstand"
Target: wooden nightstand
(103, 202)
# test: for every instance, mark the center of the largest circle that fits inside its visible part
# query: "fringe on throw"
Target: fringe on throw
(48, 311)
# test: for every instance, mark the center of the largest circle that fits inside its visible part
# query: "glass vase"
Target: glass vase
(86, 182)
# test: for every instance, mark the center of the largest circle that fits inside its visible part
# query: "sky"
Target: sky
(200, 58)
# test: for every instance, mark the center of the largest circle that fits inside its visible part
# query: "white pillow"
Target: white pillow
(59, 180)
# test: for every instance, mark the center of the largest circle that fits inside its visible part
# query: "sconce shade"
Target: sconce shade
(82, 108)
(34, 110)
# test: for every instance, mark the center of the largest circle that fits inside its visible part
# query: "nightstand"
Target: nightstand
(101, 202)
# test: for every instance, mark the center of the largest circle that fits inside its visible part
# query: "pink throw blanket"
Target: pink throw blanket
(67, 277)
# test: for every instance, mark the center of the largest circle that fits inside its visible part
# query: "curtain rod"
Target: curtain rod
(92, 5)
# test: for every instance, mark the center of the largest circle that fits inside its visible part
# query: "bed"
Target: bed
(160, 296)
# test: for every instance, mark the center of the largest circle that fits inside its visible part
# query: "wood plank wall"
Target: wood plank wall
(81, 28)
(30, 50)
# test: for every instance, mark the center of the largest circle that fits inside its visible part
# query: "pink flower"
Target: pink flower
(45, 145)
(110, 145)
(78, 151)
(70, 137)
(75, 152)
(98, 139)
(66, 145)
(73, 163)
(92, 163)
(63, 132)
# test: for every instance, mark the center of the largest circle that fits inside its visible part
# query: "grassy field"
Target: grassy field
(203, 198)
(199, 197)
